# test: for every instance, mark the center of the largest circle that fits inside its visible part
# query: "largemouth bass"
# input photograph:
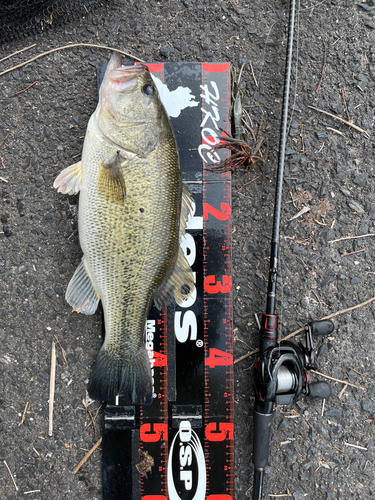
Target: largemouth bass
(132, 214)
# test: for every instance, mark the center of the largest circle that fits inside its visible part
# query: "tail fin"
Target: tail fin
(127, 375)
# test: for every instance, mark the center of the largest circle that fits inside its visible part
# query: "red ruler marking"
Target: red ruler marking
(218, 419)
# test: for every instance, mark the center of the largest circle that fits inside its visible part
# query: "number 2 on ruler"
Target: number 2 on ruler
(224, 214)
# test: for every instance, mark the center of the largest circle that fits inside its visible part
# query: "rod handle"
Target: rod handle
(262, 430)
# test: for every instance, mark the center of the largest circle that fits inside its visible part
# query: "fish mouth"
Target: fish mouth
(129, 71)
(125, 78)
(122, 78)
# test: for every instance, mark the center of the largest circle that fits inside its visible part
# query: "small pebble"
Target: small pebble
(366, 405)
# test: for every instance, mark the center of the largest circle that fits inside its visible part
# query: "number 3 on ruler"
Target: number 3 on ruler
(211, 285)
(224, 214)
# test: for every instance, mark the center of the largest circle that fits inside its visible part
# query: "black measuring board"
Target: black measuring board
(188, 428)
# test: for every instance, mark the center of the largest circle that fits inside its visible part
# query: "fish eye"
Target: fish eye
(149, 90)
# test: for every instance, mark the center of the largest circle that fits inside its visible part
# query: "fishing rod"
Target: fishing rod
(281, 369)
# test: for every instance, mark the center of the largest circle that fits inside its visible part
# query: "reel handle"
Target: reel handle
(319, 390)
(322, 327)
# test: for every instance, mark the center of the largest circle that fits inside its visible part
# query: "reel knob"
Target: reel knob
(323, 327)
(319, 390)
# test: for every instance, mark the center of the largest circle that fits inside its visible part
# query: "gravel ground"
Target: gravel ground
(329, 170)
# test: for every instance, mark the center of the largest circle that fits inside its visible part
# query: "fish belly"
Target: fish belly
(130, 245)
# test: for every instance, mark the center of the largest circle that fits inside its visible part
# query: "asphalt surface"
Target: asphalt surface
(318, 451)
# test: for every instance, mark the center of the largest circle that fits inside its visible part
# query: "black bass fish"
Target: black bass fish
(133, 209)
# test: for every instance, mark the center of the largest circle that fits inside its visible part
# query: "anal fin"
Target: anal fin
(69, 180)
(80, 293)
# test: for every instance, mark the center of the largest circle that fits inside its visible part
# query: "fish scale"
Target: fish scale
(132, 212)
(145, 230)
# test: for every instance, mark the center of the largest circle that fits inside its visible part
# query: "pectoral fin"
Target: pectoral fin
(80, 293)
(187, 204)
(111, 179)
(180, 285)
(69, 180)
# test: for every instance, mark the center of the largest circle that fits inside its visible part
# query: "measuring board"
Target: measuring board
(188, 428)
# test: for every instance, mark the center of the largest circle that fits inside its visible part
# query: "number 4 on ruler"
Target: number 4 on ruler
(218, 358)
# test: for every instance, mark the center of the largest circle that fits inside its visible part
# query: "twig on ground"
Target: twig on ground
(303, 145)
(304, 265)
(351, 253)
(252, 72)
(245, 356)
(249, 197)
(353, 370)
(93, 420)
(87, 456)
(247, 183)
(5, 138)
(346, 108)
(2, 178)
(342, 391)
(324, 63)
(350, 124)
(301, 212)
(332, 316)
(62, 350)
(68, 47)
(24, 414)
(351, 237)
(93, 423)
(355, 446)
(316, 295)
(18, 52)
(282, 495)
(293, 200)
(335, 130)
(234, 8)
(52, 389)
(302, 329)
(257, 320)
(11, 475)
(24, 90)
(338, 380)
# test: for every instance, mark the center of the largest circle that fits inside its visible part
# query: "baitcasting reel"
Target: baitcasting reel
(281, 371)
(280, 376)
